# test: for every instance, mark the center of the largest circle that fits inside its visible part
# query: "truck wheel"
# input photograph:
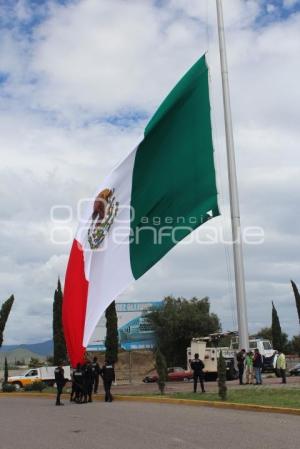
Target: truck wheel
(18, 385)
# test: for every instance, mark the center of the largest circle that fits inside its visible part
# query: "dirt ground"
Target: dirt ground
(131, 366)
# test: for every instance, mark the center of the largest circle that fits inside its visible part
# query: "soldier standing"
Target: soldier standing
(60, 380)
(88, 381)
(197, 366)
(73, 391)
(96, 372)
(78, 383)
(108, 376)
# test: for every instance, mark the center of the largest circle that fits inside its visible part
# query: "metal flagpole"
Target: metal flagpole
(233, 192)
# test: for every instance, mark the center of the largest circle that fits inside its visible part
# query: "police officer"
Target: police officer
(60, 380)
(197, 366)
(108, 376)
(96, 373)
(84, 383)
(78, 383)
(240, 357)
(73, 391)
(88, 381)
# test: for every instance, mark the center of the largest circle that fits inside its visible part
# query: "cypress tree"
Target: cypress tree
(297, 298)
(161, 368)
(4, 314)
(5, 371)
(59, 344)
(112, 336)
(276, 330)
(222, 377)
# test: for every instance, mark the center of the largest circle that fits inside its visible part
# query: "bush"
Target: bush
(8, 388)
(35, 386)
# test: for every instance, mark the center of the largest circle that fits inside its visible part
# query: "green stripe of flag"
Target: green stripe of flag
(173, 182)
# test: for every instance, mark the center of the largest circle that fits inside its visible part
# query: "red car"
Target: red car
(175, 373)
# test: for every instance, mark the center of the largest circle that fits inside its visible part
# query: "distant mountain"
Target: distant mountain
(45, 348)
(6, 348)
(19, 354)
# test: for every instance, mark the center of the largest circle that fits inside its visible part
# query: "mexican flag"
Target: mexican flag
(163, 190)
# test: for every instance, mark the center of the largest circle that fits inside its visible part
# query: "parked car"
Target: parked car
(295, 371)
(175, 373)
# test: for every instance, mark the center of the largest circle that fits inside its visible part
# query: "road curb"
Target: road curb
(215, 404)
(166, 400)
(28, 395)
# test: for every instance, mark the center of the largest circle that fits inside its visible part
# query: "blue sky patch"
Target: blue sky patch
(3, 77)
(127, 119)
(24, 19)
(276, 11)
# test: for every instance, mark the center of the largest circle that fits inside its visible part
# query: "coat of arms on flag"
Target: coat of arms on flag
(104, 211)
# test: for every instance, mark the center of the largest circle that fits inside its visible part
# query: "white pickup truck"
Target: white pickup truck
(42, 374)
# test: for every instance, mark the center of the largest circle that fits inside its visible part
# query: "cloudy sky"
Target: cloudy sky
(79, 80)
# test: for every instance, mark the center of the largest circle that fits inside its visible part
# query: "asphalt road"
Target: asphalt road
(38, 424)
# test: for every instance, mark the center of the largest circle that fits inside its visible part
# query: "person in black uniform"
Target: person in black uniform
(84, 383)
(60, 380)
(240, 357)
(73, 391)
(96, 372)
(108, 376)
(197, 366)
(88, 381)
(78, 383)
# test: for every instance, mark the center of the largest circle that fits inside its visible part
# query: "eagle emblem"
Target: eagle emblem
(104, 211)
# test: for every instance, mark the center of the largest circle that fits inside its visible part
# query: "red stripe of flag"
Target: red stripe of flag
(74, 304)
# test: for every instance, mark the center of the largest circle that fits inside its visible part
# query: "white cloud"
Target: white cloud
(271, 8)
(73, 91)
(113, 67)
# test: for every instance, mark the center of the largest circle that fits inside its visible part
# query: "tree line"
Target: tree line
(174, 324)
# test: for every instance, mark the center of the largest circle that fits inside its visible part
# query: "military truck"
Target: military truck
(209, 351)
